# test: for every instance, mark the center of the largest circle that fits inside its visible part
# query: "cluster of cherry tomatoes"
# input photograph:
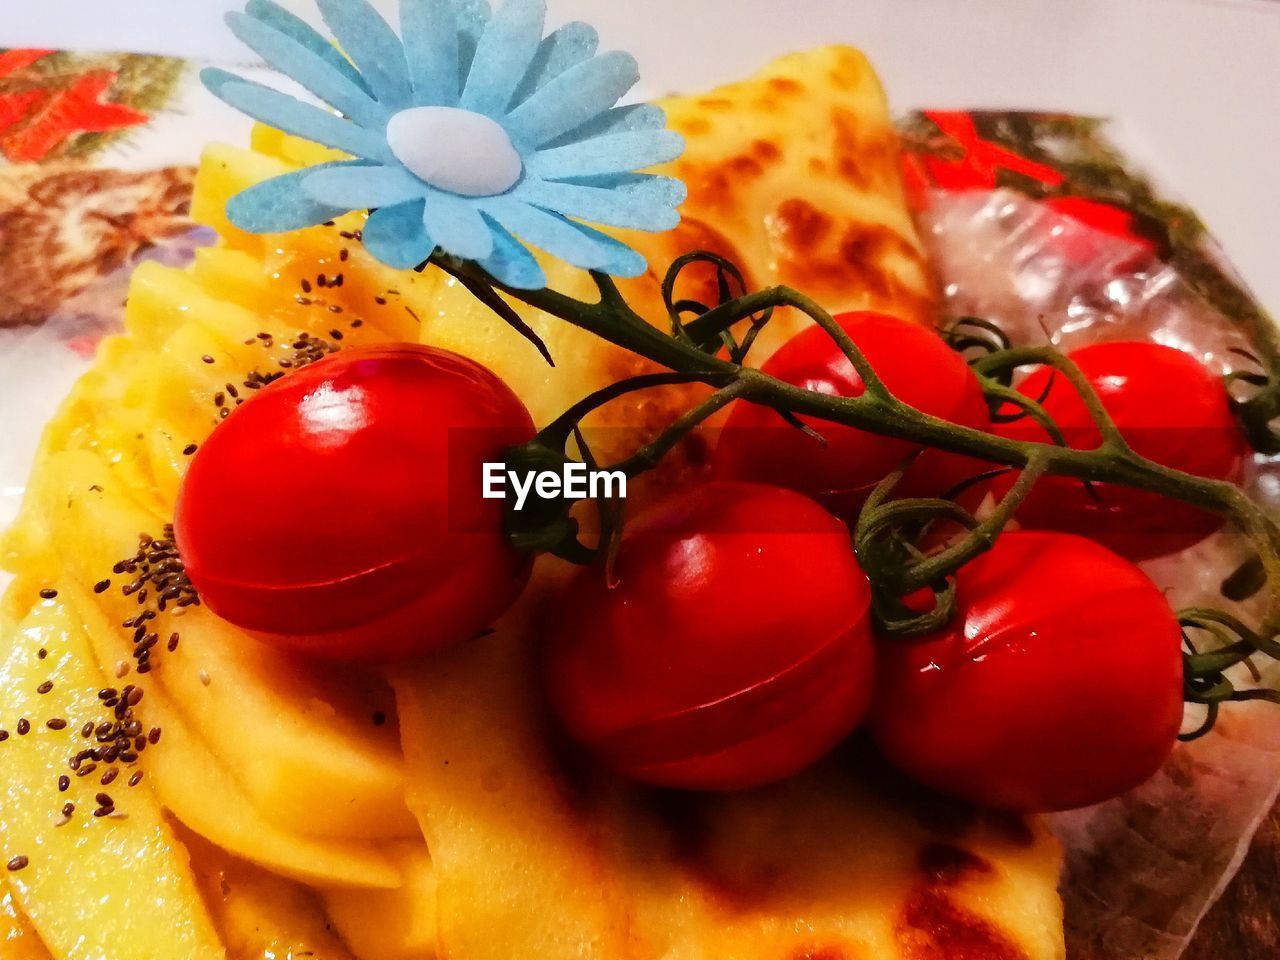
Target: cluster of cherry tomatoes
(735, 645)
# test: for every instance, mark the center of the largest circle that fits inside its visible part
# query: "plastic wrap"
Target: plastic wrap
(1142, 869)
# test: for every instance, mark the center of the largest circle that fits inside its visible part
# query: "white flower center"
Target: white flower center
(456, 150)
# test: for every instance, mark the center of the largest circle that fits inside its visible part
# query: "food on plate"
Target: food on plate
(914, 363)
(1058, 684)
(406, 555)
(330, 700)
(730, 648)
(1168, 406)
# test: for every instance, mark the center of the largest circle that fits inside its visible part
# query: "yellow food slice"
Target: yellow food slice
(518, 873)
(194, 783)
(94, 887)
(398, 924)
(18, 939)
(299, 738)
(259, 915)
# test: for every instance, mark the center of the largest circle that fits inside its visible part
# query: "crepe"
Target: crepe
(450, 818)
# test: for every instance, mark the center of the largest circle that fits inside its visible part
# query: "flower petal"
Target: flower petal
(613, 153)
(431, 48)
(622, 260)
(313, 71)
(359, 188)
(372, 46)
(396, 236)
(282, 111)
(511, 263)
(546, 231)
(566, 47)
(573, 98)
(471, 16)
(503, 55)
(457, 226)
(279, 205)
(634, 116)
(639, 202)
(279, 19)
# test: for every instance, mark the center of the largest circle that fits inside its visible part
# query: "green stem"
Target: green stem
(878, 411)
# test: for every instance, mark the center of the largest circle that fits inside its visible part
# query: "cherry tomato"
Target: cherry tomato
(1058, 685)
(339, 510)
(915, 364)
(733, 650)
(1171, 409)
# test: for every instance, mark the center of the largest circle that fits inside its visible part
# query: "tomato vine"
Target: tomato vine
(707, 343)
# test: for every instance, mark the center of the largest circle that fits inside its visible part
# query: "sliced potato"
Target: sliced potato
(299, 738)
(94, 887)
(398, 924)
(196, 785)
(258, 914)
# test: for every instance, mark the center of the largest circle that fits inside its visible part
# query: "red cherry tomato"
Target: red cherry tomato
(915, 364)
(1170, 408)
(1058, 685)
(734, 649)
(339, 510)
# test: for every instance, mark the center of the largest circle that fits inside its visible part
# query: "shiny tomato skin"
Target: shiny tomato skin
(1171, 408)
(338, 511)
(733, 650)
(915, 364)
(1058, 685)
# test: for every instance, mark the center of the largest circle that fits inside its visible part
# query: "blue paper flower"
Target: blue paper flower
(468, 130)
